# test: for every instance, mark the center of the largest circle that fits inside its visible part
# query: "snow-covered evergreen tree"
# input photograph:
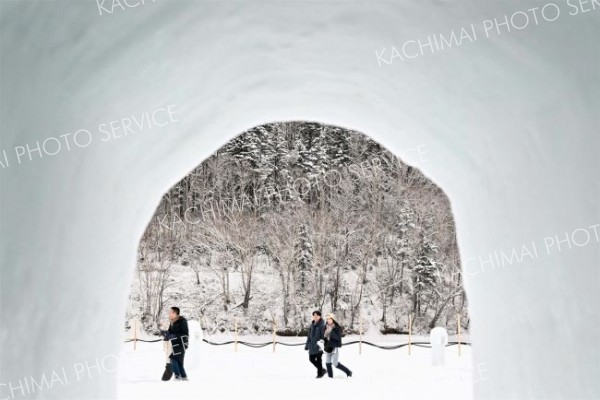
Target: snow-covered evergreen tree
(304, 255)
(424, 272)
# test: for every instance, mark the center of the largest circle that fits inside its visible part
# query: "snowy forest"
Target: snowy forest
(296, 216)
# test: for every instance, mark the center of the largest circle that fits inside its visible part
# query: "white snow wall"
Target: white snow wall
(510, 125)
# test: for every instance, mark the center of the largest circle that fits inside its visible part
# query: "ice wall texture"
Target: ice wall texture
(510, 123)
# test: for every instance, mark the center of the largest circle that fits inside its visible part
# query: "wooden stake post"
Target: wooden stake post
(361, 334)
(409, 331)
(236, 334)
(135, 334)
(458, 325)
(274, 331)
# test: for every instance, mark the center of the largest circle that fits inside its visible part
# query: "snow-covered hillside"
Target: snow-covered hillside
(295, 216)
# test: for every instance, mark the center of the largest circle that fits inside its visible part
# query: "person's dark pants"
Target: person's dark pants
(177, 365)
(316, 360)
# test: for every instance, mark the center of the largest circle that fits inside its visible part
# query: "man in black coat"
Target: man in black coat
(315, 334)
(178, 335)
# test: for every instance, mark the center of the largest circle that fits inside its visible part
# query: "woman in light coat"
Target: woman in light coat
(333, 341)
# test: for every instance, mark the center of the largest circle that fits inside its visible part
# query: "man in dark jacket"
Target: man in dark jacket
(178, 335)
(315, 334)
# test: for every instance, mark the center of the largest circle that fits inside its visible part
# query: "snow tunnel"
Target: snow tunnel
(509, 121)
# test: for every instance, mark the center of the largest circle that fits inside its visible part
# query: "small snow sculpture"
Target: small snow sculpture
(438, 338)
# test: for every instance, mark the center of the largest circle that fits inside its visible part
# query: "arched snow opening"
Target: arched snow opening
(292, 217)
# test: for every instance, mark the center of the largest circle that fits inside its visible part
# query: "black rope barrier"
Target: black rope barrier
(260, 345)
(398, 346)
(140, 340)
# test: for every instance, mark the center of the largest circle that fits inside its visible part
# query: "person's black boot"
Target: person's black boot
(329, 370)
(321, 373)
(343, 368)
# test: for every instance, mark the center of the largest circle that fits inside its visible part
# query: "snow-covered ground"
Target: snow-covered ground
(253, 373)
